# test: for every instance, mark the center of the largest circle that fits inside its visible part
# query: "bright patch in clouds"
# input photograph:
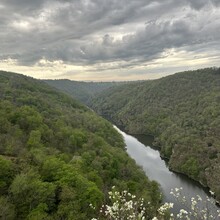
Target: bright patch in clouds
(21, 25)
(121, 40)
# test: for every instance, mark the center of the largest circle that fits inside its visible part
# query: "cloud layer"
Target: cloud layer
(91, 37)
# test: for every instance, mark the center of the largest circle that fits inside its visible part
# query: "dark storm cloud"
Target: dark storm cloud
(94, 31)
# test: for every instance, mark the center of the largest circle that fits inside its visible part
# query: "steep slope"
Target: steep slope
(57, 157)
(182, 111)
(82, 91)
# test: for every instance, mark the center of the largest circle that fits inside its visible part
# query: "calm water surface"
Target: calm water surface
(156, 169)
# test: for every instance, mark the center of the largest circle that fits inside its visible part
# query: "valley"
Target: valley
(58, 156)
(181, 111)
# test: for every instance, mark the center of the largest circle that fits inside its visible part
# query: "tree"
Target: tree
(28, 192)
(6, 174)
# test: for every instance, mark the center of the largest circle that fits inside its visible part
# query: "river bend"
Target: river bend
(156, 169)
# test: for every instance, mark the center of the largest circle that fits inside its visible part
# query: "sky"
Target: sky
(108, 40)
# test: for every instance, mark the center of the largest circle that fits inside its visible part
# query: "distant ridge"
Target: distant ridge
(82, 91)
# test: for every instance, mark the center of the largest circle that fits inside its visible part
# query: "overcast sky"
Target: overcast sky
(105, 40)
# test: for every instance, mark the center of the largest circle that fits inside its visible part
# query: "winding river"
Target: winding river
(156, 169)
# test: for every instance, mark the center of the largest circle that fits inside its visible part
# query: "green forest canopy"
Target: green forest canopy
(182, 111)
(82, 91)
(57, 156)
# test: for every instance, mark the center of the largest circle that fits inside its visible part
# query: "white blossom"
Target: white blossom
(126, 206)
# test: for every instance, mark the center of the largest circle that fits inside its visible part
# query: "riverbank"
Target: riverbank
(157, 169)
(153, 145)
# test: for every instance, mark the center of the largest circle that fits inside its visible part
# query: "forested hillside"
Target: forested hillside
(182, 111)
(57, 157)
(83, 91)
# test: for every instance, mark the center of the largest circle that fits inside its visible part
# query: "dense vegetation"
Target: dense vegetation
(83, 91)
(182, 111)
(57, 157)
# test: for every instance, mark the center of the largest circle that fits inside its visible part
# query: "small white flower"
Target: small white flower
(199, 198)
(211, 192)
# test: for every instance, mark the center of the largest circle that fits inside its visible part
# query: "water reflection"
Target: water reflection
(156, 169)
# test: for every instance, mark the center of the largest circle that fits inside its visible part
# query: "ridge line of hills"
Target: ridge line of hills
(82, 91)
(57, 156)
(182, 112)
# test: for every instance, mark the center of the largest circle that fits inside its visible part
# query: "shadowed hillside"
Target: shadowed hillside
(82, 91)
(182, 111)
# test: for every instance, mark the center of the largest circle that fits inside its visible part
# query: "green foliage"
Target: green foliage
(27, 192)
(82, 91)
(7, 210)
(34, 139)
(181, 111)
(6, 174)
(57, 156)
(40, 212)
(191, 167)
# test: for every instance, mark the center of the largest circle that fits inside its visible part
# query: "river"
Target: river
(156, 169)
